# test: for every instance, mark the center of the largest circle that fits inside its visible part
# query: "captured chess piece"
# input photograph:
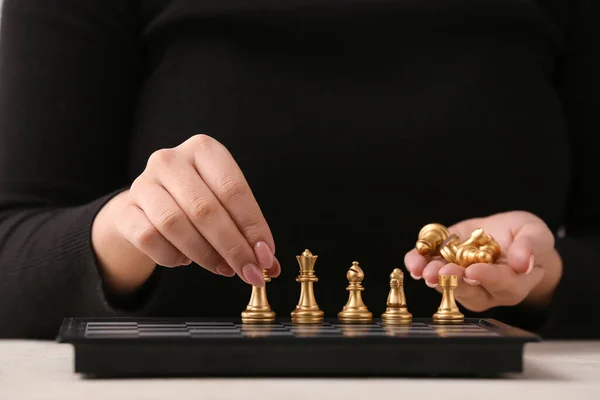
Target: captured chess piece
(431, 238)
(479, 248)
(396, 311)
(355, 309)
(307, 311)
(448, 312)
(258, 309)
(449, 248)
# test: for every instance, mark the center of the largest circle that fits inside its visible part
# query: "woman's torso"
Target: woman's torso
(356, 123)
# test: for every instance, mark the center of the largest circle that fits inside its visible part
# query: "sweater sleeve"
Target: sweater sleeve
(69, 74)
(573, 313)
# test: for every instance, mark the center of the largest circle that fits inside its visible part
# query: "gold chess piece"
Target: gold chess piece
(355, 309)
(448, 312)
(431, 237)
(479, 248)
(258, 309)
(449, 248)
(467, 255)
(396, 311)
(307, 311)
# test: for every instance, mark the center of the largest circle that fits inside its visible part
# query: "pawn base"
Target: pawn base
(257, 316)
(355, 316)
(396, 316)
(448, 317)
(300, 316)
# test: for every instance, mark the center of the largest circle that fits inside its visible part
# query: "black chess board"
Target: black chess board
(200, 347)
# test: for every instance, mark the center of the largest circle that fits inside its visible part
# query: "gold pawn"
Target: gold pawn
(355, 309)
(448, 312)
(396, 311)
(258, 309)
(431, 236)
(307, 310)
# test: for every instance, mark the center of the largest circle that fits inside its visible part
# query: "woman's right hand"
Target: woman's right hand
(192, 203)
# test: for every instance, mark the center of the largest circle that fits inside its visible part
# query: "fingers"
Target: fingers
(533, 239)
(135, 227)
(264, 255)
(415, 263)
(206, 214)
(482, 286)
(470, 294)
(196, 205)
(172, 222)
(503, 284)
(224, 178)
(224, 269)
(431, 272)
(275, 271)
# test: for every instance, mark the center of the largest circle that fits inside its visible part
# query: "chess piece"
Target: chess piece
(467, 255)
(448, 312)
(479, 248)
(307, 311)
(449, 248)
(486, 243)
(478, 238)
(355, 310)
(431, 237)
(258, 309)
(493, 248)
(396, 311)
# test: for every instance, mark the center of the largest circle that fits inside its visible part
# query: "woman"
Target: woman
(157, 155)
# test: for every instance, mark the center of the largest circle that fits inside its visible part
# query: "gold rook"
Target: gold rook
(448, 312)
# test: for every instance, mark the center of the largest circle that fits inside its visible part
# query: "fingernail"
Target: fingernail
(431, 285)
(415, 277)
(253, 275)
(275, 272)
(186, 261)
(264, 255)
(472, 281)
(531, 262)
(225, 270)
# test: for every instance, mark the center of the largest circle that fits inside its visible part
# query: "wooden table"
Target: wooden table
(553, 370)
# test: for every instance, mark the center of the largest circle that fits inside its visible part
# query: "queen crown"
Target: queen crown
(307, 262)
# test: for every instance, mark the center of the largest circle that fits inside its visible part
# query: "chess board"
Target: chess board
(200, 347)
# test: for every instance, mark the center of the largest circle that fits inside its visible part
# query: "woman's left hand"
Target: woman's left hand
(528, 270)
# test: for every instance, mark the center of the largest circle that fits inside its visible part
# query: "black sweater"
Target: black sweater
(355, 122)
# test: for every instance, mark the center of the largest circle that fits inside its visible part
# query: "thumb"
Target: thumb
(531, 240)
